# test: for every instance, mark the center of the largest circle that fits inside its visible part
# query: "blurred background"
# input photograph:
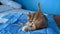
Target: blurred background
(47, 6)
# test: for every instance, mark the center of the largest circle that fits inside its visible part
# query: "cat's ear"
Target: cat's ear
(29, 15)
(29, 12)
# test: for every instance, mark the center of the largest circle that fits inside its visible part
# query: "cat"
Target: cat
(35, 21)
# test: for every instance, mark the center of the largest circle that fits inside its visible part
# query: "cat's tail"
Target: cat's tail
(39, 7)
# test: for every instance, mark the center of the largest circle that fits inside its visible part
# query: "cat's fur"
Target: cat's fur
(36, 20)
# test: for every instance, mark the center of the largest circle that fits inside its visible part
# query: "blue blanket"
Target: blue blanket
(12, 17)
(16, 29)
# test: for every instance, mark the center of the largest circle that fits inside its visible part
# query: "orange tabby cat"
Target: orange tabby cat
(36, 20)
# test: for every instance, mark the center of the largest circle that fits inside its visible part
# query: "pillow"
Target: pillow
(11, 3)
(4, 8)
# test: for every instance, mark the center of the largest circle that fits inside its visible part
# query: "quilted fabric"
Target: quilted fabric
(16, 15)
(50, 29)
(12, 17)
(16, 29)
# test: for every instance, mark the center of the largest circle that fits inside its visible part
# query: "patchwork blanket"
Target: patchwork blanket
(10, 28)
